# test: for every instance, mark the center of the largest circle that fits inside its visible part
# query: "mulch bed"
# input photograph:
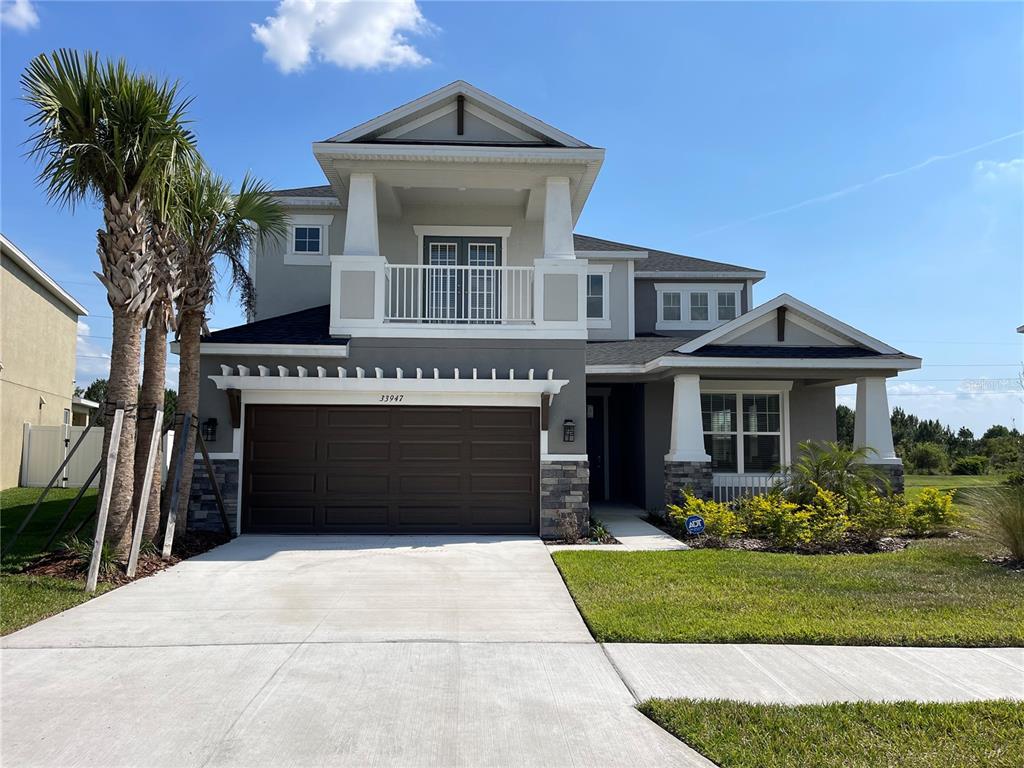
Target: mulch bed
(66, 565)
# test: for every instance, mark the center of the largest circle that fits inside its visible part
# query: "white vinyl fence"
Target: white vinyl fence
(44, 448)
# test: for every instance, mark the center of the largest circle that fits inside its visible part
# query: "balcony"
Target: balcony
(458, 295)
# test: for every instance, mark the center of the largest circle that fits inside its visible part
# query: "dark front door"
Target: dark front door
(596, 449)
(390, 469)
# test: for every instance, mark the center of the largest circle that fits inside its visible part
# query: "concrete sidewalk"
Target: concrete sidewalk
(628, 526)
(813, 674)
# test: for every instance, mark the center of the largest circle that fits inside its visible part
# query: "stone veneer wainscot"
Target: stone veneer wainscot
(564, 499)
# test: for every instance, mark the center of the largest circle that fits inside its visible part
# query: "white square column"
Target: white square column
(558, 241)
(872, 427)
(361, 233)
(687, 442)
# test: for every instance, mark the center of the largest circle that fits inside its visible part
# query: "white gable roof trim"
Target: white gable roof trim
(18, 257)
(434, 104)
(745, 322)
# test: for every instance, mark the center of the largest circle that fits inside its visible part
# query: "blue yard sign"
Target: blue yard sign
(695, 525)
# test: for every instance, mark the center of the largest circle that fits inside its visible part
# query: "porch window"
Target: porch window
(726, 306)
(698, 306)
(307, 240)
(746, 441)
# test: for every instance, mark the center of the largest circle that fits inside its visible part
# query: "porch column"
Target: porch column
(687, 465)
(558, 242)
(873, 429)
(358, 274)
(361, 237)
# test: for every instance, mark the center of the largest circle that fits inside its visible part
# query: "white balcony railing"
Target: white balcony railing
(418, 293)
(731, 486)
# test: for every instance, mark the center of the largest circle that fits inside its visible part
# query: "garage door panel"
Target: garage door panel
(280, 516)
(358, 450)
(358, 484)
(429, 450)
(283, 482)
(500, 450)
(356, 516)
(390, 469)
(350, 417)
(424, 516)
(410, 484)
(274, 450)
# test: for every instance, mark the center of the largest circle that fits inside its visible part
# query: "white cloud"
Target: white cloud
(19, 14)
(994, 171)
(349, 33)
(92, 361)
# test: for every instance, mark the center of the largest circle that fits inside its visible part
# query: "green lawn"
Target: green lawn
(914, 483)
(27, 599)
(859, 735)
(15, 503)
(935, 593)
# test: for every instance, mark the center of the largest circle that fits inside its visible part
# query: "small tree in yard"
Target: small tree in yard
(106, 133)
(212, 222)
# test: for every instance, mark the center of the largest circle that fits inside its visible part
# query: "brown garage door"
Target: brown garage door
(394, 469)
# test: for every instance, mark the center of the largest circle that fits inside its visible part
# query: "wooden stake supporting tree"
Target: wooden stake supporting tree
(179, 462)
(104, 508)
(140, 515)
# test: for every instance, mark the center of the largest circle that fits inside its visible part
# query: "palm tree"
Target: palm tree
(212, 222)
(166, 281)
(107, 133)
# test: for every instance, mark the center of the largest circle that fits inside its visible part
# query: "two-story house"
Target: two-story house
(435, 350)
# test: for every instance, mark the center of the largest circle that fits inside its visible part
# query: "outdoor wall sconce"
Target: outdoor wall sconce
(569, 431)
(209, 430)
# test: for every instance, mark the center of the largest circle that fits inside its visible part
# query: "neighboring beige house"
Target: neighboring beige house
(38, 323)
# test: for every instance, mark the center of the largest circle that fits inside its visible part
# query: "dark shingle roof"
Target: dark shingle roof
(658, 261)
(324, 190)
(307, 326)
(818, 353)
(633, 352)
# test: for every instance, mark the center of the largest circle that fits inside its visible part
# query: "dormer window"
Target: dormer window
(598, 277)
(307, 240)
(686, 306)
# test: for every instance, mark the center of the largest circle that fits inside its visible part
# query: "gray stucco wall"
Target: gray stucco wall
(812, 415)
(566, 358)
(657, 434)
(647, 304)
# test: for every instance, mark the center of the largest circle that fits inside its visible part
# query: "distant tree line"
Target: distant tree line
(927, 446)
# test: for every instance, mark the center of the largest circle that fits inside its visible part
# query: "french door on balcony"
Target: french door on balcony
(463, 283)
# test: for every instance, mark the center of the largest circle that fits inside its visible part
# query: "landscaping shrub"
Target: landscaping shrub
(81, 550)
(970, 465)
(720, 520)
(873, 514)
(831, 466)
(933, 510)
(773, 518)
(1015, 478)
(928, 459)
(999, 515)
(827, 520)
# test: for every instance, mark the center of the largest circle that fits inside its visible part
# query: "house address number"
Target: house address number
(392, 398)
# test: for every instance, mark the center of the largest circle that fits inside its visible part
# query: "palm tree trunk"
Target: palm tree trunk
(151, 400)
(190, 328)
(123, 252)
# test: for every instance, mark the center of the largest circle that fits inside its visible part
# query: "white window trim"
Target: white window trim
(605, 320)
(685, 290)
(430, 230)
(321, 259)
(740, 388)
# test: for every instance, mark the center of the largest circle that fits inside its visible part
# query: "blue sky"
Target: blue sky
(795, 138)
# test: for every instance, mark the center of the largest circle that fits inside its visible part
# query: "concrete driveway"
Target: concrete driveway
(348, 651)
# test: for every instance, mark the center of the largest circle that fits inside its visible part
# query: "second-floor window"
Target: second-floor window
(598, 288)
(307, 240)
(699, 305)
(726, 306)
(690, 305)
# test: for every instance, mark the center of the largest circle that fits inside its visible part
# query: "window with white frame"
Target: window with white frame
(598, 287)
(742, 431)
(307, 240)
(726, 306)
(690, 305)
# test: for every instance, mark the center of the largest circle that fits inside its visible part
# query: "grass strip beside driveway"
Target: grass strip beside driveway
(931, 594)
(852, 735)
(27, 599)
